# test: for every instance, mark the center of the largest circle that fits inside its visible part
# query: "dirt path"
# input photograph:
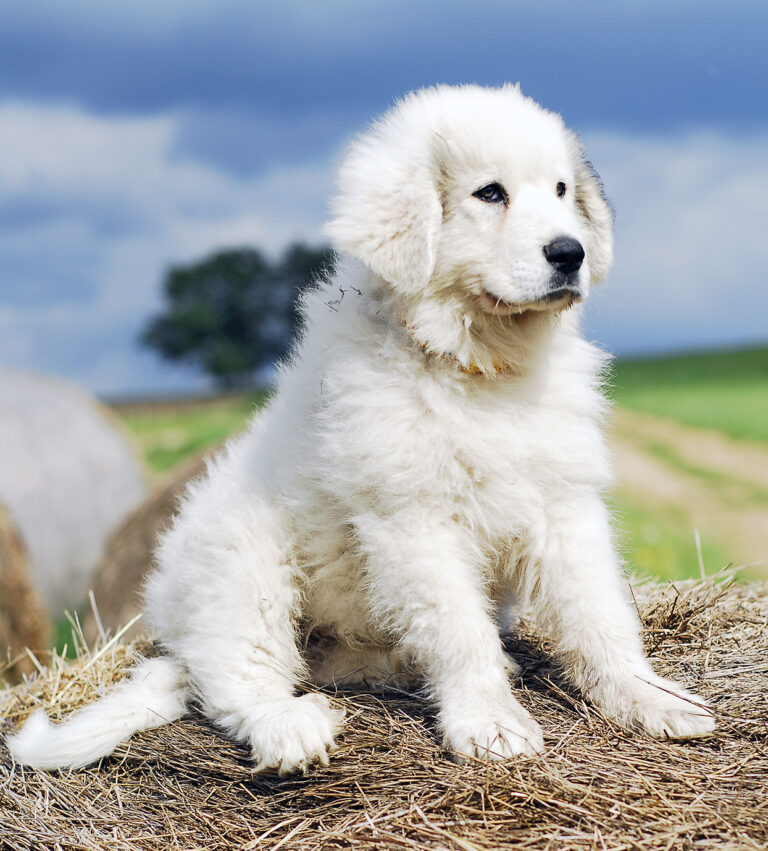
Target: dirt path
(720, 484)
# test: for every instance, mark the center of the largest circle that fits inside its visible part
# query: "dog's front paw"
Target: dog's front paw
(293, 733)
(491, 732)
(660, 707)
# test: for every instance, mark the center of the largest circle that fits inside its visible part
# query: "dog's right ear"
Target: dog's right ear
(594, 208)
(387, 212)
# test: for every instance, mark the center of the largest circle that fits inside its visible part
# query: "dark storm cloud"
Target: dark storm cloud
(651, 66)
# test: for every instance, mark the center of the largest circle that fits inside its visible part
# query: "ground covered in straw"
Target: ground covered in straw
(390, 786)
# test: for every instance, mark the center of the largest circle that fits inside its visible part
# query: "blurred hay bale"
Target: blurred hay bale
(129, 553)
(67, 477)
(23, 621)
(390, 786)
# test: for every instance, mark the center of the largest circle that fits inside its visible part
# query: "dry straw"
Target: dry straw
(390, 785)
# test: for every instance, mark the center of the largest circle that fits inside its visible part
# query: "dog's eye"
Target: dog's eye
(493, 193)
(560, 189)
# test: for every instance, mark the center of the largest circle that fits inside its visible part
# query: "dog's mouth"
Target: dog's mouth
(558, 299)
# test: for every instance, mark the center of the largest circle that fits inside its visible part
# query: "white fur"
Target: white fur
(433, 451)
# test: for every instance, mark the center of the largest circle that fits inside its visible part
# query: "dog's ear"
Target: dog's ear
(596, 211)
(387, 212)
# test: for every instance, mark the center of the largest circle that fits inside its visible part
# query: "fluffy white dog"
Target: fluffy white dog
(432, 454)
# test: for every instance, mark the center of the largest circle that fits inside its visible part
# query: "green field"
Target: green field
(722, 390)
(169, 432)
(660, 543)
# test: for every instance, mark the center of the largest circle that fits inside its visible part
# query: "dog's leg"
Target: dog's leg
(225, 602)
(425, 586)
(581, 603)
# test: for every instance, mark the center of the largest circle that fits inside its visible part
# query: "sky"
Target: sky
(138, 135)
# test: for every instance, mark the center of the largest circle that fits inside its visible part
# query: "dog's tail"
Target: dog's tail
(155, 694)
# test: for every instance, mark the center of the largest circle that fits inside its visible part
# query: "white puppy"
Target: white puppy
(433, 452)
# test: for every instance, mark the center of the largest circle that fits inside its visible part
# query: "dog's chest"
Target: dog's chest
(510, 447)
(453, 446)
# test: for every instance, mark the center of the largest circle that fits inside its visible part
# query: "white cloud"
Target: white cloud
(94, 208)
(690, 221)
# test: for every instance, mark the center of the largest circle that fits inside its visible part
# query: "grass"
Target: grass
(660, 543)
(722, 390)
(170, 432)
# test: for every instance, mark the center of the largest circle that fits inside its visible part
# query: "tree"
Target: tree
(233, 313)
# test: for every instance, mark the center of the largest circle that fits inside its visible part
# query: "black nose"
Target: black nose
(565, 254)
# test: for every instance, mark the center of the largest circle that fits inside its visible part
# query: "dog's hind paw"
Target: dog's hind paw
(293, 733)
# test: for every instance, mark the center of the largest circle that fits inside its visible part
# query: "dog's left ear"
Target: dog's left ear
(596, 211)
(388, 212)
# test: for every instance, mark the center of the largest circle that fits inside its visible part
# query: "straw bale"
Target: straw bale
(129, 554)
(390, 786)
(68, 476)
(23, 621)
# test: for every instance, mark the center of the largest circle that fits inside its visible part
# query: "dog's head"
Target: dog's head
(481, 183)
(476, 197)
